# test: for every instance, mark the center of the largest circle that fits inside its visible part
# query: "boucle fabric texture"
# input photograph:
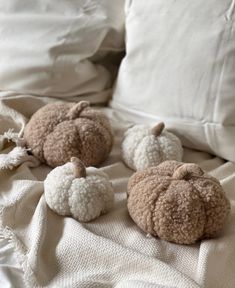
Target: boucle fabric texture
(59, 131)
(177, 202)
(144, 147)
(73, 190)
(39, 248)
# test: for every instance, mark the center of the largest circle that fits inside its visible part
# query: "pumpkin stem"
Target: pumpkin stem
(186, 170)
(157, 130)
(79, 168)
(76, 110)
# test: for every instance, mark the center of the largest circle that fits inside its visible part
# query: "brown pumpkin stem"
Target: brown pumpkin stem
(76, 110)
(157, 130)
(187, 170)
(79, 168)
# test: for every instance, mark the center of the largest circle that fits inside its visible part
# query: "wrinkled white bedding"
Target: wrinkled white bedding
(40, 249)
(57, 48)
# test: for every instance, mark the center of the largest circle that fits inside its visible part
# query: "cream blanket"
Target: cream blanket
(54, 251)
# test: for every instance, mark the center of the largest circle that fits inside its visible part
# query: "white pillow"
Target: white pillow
(180, 68)
(46, 46)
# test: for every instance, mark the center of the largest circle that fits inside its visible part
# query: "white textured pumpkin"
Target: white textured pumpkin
(144, 147)
(83, 193)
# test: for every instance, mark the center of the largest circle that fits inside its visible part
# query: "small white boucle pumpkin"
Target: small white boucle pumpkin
(83, 193)
(144, 147)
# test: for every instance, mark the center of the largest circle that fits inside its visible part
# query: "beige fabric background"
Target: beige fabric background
(179, 68)
(111, 251)
(57, 48)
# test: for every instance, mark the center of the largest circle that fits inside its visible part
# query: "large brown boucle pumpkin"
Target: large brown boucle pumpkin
(177, 202)
(59, 131)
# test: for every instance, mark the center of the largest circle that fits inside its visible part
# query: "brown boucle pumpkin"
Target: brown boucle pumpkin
(59, 131)
(177, 202)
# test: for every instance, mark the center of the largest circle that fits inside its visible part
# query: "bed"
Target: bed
(38, 248)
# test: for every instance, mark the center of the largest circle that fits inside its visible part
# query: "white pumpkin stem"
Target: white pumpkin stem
(76, 110)
(157, 130)
(188, 169)
(79, 168)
